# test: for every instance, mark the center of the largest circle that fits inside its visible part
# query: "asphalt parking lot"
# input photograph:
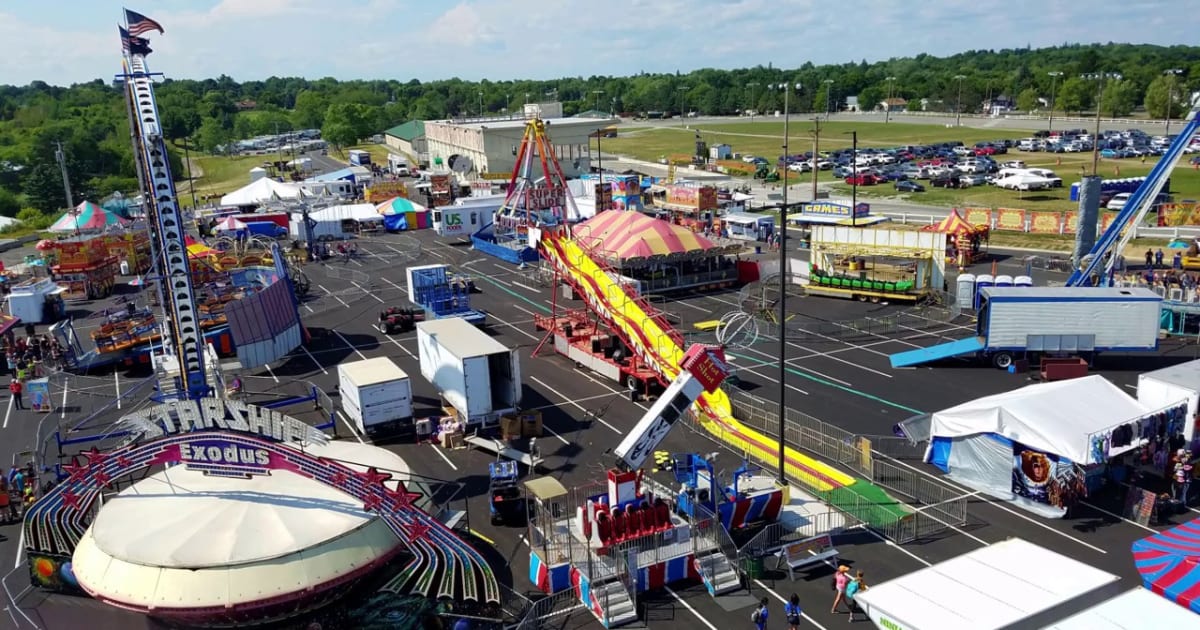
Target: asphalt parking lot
(845, 381)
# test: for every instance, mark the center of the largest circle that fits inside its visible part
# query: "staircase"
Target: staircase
(616, 605)
(718, 573)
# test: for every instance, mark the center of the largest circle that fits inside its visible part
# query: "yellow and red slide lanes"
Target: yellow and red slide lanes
(643, 333)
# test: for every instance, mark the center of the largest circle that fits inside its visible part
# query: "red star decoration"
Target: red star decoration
(340, 478)
(124, 462)
(372, 502)
(401, 498)
(373, 477)
(101, 478)
(95, 457)
(418, 531)
(76, 472)
(70, 499)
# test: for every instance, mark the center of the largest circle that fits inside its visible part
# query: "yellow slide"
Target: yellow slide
(646, 337)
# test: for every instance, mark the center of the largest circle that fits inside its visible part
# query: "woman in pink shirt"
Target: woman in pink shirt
(840, 580)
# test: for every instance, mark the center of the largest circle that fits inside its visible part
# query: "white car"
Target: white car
(799, 167)
(749, 159)
(1013, 164)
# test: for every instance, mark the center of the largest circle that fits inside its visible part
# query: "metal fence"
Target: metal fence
(935, 508)
(938, 311)
(551, 611)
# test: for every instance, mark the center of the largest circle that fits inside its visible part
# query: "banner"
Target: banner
(693, 197)
(1045, 222)
(1179, 214)
(1106, 219)
(978, 216)
(1010, 219)
(1035, 474)
(382, 191)
(604, 197)
(1071, 222)
(38, 390)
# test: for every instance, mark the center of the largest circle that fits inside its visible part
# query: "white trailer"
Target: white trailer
(376, 396)
(1171, 386)
(1015, 321)
(476, 375)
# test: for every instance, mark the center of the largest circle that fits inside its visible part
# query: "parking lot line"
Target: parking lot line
(353, 430)
(314, 360)
(368, 292)
(689, 608)
(269, 371)
(9, 412)
(63, 411)
(330, 294)
(571, 402)
(438, 450)
(784, 600)
(350, 345)
(399, 345)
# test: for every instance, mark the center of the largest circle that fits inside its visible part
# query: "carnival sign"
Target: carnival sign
(223, 458)
(545, 197)
(184, 416)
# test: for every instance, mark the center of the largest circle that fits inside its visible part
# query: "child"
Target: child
(759, 616)
(792, 612)
(854, 587)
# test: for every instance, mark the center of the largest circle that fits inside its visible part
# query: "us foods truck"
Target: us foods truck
(1016, 322)
(476, 375)
(376, 397)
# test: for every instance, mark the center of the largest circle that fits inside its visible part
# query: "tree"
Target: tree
(43, 188)
(1027, 100)
(1163, 97)
(869, 98)
(1075, 95)
(10, 205)
(309, 112)
(212, 135)
(1118, 99)
(344, 124)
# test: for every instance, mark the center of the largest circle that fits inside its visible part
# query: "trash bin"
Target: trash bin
(752, 566)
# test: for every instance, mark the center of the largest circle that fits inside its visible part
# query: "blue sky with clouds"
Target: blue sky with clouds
(65, 41)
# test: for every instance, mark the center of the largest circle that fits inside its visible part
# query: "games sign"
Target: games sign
(185, 416)
(837, 210)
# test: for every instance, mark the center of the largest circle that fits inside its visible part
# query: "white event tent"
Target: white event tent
(975, 442)
(261, 191)
(995, 587)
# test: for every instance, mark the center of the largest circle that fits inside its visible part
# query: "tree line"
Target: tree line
(89, 118)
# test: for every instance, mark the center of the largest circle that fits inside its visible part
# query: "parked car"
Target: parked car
(907, 185)
(972, 179)
(1013, 164)
(863, 179)
(945, 180)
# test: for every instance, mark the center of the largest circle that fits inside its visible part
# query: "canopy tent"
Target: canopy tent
(361, 212)
(1168, 564)
(955, 224)
(400, 214)
(1136, 608)
(618, 235)
(261, 191)
(230, 224)
(1024, 446)
(86, 217)
(1003, 585)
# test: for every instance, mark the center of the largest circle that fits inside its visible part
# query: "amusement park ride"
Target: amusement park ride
(194, 426)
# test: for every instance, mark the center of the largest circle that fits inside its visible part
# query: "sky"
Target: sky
(68, 41)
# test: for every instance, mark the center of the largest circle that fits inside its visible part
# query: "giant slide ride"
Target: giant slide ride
(645, 335)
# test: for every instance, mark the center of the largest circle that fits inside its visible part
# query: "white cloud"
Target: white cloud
(462, 25)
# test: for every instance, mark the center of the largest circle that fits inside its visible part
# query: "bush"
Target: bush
(10, 204)
(34, 218)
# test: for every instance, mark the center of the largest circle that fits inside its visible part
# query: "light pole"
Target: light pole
(1100, 78)
(828, 93)
(507, 102)
(750, 88)
(783, 283)
(854, 179)
(1173, 73)
(887, 110)
(596, 99)
(481, 103)
(958, 103)
(1053, 84)
(681, 89)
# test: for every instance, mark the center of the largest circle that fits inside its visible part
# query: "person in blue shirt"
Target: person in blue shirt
(856, 586)
(759, 616)
(792, 612)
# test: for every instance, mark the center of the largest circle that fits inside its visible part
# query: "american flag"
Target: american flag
(140, 24)
(134, 45)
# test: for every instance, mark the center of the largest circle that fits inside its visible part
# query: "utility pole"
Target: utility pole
(816, 134)
(1053, 83)
(887, 111)
(958, 103)
(854, 180)
(784, 280)
(1173, 73)
(1100, 78)
(828, 94)
(187, 159)
(61, 158)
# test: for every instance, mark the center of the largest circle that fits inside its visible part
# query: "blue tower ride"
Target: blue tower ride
(183, 337)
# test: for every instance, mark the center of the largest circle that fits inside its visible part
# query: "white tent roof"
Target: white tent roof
(357, 212)
(1136, 609)
(261, 191)
(988, 588)
(1056, 418)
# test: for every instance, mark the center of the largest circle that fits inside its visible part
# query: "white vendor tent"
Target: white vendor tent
(1171, 386)
(989, 588)
(1134, 610)
(261, 191)
(992, 443)
(335, 222)
(360, 212)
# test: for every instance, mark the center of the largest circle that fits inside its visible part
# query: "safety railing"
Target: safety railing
(708, 534)
(549, 612)
(777, 535)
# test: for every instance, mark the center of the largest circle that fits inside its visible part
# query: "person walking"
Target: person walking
(853, 588)
(16, 388)
(1149, 258)
(759, 616)
(840, 580)
(792, 611)
(1158, 258)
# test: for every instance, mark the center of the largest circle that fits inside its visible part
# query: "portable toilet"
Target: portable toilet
(1004, 281)
(966, 290)
(982, 281)
(1023, 281)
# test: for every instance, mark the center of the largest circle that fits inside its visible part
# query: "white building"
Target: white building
(492, 144)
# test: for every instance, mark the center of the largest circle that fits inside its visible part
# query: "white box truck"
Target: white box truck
(376, 397)
(1171, 386)
(1019, 321)
(477, 375)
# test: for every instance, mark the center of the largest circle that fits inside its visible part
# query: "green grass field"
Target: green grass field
(765, 139)
(220, 174)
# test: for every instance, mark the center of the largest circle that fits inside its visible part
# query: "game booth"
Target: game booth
(1167, 563)
(400, 215)
(658, 255)
(1045, 447)
(965, 243)
(690, 204)
(1016, 584)
(83, 265)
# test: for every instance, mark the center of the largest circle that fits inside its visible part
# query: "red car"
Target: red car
(985, 151)
(863, 179)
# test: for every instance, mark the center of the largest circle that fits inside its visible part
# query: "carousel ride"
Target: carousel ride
(200, 509)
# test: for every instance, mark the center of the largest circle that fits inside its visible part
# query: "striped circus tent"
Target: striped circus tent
(954, 224)
(87, 217)
(1167, 562)
(624, 236)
